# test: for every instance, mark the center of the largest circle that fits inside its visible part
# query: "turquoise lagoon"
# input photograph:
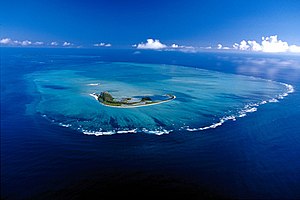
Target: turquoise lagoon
(204, 99)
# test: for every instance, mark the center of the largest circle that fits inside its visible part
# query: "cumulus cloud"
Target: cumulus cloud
(294, 49)
(151, 44)
(65, 44)
(175, 46)
(254, 45)
(102, 44)
(268, 44)
(157, 45)
(54, 43)
(272, 44)
(5, 41)
(38, 43)
(26, 43)
(220, 46)
(182, 48)
(10, 42)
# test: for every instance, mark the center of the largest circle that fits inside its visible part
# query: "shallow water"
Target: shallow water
(204, 99)
(220, 155)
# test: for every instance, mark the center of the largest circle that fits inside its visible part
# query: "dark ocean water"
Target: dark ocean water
(255, 157)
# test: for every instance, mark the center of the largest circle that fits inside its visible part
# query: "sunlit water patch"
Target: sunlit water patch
(204, 99)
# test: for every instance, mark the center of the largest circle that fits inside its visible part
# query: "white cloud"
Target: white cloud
(182, 48)
(38, 43)
(268, 44)
(151, 44)
(8, 41)
(5, 41)
(254, 45)
(175, 46)
(23, 43)
(243, 45)
(65, 44)
(157, 45)
(272, 44)
(102, 44)
(26, 43)
(294, 49)
(220, 46)
(54, 43)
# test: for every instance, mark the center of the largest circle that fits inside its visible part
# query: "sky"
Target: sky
(120, 23)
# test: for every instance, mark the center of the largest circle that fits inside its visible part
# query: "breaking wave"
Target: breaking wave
(205, 99)
(249, 108)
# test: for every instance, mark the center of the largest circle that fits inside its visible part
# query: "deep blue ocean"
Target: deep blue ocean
(232, 132)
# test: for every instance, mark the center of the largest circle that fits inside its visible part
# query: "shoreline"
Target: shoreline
(134, 106)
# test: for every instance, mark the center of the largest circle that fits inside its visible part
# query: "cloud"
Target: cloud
(54, 43)
(294, 49)
(10, 42)
(38, 43)
(157, 45)
(102, 44)
(22, 43)
(254, 45)
(182, 48)
(26, 43)
(5, 41)
(220, 46)
(272, 44)
(65, 44)
(175, 46)
(268, 44)
(243, 45)
(151, 44)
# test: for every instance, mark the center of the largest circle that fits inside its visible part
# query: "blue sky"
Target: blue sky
(121, 23)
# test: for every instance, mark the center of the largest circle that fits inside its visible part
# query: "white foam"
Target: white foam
(95, 96)
(273, 100)
(249, 108)
(254, 109)
(263, 102)
(127, 131)
(242, 115)
(99, 133)
(94, 84)
(289, 87)
(65, 125)
(156, 132)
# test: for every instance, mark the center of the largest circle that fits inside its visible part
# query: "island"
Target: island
(107, 99)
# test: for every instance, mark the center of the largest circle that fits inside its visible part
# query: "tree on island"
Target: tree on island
(146, 99)
(106, 97)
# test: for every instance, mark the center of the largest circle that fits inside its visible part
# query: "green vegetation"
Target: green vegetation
(107, 99)
(146, 99)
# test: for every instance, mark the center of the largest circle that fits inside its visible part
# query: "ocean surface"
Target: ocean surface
(231, 132)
